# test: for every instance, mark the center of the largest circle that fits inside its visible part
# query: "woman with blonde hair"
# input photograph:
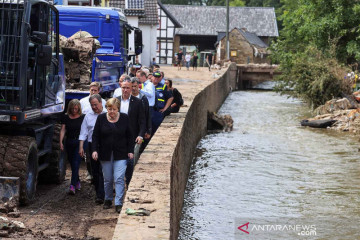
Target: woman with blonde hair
(70, 127)
(112, 144)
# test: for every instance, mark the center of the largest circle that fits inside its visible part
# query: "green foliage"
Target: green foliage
(318, 36)
(236, 3)
(314, 77)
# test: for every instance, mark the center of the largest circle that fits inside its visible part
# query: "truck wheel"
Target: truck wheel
(56, 171)
(21, 160)
(3, 145)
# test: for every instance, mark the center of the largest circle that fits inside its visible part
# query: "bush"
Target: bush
(314, 77)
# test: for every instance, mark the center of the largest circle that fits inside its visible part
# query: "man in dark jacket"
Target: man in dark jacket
(133, 107)
(136, 93)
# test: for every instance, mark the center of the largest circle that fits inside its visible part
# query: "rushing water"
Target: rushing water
(271, 171)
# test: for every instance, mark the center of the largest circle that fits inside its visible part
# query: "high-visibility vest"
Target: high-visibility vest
(160, 100)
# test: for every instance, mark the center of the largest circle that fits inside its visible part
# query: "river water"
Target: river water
(286, 181)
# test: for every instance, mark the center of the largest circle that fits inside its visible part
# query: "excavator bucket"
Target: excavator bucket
(9, 188)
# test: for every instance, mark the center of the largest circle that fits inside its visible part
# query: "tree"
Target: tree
(331, 28)
(236, 3)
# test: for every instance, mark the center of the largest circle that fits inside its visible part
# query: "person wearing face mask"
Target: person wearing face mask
(86, 133)
(113, 144)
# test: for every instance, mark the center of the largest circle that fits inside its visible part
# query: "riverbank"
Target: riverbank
(345, 113)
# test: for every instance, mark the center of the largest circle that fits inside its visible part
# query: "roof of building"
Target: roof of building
(208, 20)
(172, 18)
(252, 38)
(134, 7)
(220, 36)
(151, 13)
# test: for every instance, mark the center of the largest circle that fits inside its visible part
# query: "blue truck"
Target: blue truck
(110, 27)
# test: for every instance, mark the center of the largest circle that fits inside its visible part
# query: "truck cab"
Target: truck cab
(107, 25)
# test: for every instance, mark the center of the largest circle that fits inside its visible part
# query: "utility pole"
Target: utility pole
(227, 31)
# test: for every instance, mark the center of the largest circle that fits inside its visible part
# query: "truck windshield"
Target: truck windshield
(107, 77)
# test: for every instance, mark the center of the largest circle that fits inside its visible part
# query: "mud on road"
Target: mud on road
(57, 215)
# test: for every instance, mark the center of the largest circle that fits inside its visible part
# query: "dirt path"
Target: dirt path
(57, 215)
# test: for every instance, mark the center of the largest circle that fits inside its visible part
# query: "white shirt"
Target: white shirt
(87, 126)
(117, 92)
(187, 57)
(139, 96)
(124, 106)
(149, 92)
(86, 106)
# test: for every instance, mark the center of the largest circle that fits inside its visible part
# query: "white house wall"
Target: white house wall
(149, 44)
(165, 39)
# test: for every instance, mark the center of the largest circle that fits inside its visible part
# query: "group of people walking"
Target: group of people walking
(194, 58)
(188, 58)
(115, 132)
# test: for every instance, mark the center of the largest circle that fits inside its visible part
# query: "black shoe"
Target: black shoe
(118, 208)
(99, 201)
(107, 204)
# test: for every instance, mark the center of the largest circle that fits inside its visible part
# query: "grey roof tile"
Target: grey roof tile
(208, 20)
(253, 39)
(117, 3)
(135, 4)
(151, 13)
(134, 8)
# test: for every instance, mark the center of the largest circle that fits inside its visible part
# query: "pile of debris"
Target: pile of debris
(8, 226)
(78, 51)
(10, 208)
(218, 122)
(345, 112)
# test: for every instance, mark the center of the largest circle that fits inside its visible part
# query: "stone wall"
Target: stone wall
(161, 175)
(244, 50)
(194, 128)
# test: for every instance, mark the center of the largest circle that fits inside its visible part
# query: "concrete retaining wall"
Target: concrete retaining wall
(160, 177)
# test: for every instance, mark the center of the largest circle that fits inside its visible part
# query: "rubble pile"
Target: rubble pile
(345, 111)
(78, 51)
(10, 226)
(219, 122)
(10, 208)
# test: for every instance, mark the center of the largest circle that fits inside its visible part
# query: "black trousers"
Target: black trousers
(97, 174)
(129, 170)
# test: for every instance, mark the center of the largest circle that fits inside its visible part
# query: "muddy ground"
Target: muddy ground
(58, 215)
